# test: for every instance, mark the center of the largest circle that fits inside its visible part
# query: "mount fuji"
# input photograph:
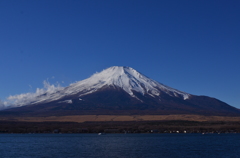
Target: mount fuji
(119, 90)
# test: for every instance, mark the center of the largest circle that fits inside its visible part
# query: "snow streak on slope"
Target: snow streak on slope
(125, 78)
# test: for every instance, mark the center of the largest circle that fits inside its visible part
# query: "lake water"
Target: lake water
(119, 145)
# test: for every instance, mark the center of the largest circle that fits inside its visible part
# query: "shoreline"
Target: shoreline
(121, 127)
(123, 118)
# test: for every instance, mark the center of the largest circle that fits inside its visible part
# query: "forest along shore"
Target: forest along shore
(121, 124)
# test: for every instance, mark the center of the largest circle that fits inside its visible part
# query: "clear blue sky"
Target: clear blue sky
(190, 45)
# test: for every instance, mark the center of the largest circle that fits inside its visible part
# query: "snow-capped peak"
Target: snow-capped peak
(126, 78)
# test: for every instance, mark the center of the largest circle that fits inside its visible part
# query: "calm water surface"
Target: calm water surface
(119, 145)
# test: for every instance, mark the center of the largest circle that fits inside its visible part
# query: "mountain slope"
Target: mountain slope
(125, 78)
(121, 90)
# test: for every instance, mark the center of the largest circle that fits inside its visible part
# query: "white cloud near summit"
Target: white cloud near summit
(2, 105)
(26, 98)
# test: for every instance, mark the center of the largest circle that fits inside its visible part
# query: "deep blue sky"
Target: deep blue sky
(190, 45)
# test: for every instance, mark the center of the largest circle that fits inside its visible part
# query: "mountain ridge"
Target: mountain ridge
(122, 90)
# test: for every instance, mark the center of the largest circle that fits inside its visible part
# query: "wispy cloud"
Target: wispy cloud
(2, 105)
(28, 98)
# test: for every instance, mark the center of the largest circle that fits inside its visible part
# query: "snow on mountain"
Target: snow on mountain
(125, 78)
